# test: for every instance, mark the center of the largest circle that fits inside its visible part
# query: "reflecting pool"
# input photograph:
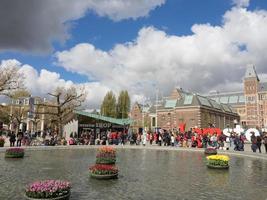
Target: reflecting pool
(144, 174)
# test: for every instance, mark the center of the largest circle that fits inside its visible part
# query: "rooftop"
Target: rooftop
(126, 121)
(189, 99)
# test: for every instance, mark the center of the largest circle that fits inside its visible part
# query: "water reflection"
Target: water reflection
(144, 174)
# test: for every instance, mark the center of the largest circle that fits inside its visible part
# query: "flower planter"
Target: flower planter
(48, 189)
(64, 197)
(218, 166)
(210, 151)
(14, 153)
(105, 176)
(105, 162)
(218, 161)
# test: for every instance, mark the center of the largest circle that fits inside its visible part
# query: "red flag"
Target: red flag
(182, 127)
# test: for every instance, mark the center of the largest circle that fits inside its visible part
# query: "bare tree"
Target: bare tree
(17, 110)
(63, 103)
(10, 80)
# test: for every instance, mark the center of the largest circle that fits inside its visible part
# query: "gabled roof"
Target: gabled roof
(190, 99)
(103, 118)
(251, 72)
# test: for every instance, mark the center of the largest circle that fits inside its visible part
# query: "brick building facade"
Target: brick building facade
(251, 103)
(183, 108)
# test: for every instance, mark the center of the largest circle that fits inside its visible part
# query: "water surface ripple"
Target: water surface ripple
(144, 174)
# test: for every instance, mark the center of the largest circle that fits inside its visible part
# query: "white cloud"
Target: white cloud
(213, 57)
(121, 9)
(241, 3)
(43, 82)
(49, 21)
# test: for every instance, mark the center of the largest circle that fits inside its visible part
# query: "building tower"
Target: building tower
(251, 87)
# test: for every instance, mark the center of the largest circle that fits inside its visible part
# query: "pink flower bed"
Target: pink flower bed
(48, 189)
(15, 150)
(14, 153)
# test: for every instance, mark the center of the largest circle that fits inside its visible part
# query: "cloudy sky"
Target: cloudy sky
(136, 45)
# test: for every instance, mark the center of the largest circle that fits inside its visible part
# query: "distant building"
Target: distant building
(184, 108)
(251, 103)
(23, 110)
(86, 122)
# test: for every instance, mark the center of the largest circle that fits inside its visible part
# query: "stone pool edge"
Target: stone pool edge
(153, 147)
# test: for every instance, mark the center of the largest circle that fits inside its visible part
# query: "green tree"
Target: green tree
(108, 106)
(123, 105)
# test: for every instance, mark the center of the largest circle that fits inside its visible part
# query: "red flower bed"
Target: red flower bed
(103, 169)
(106, 155)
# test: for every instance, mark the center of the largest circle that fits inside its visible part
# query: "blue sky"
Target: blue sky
(175, 17)
(138, 41)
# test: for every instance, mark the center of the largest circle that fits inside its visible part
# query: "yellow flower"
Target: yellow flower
(218, 157)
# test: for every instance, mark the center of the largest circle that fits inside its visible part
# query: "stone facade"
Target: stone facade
(24, 108)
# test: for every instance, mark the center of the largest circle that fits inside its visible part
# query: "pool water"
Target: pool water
(144, 174)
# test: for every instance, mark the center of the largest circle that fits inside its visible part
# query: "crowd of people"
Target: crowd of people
(25, 138)
(191, 139)
(161, 137)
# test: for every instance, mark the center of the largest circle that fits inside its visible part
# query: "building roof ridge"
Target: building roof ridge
(226, 93)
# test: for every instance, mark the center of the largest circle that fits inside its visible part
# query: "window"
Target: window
(26, 101)
(188, 99)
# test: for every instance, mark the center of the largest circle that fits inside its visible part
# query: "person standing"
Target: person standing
(19, 138)
(12, 139)
(265, 142)
(172, 140)
(259, 143)
(143, 138)
(253, 142)
(159, 139)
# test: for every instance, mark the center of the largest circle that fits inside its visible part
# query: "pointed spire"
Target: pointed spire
(251, 72)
